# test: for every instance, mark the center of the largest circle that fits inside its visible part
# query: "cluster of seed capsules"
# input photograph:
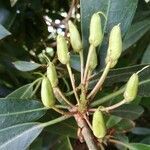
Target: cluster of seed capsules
(50, 81)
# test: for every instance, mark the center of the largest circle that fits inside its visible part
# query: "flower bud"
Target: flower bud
(93, 58)
(96, 34)
(41, 58)
(62, 50)
(98, 124)
(131, 88)
(75, 38)
(115, 43)
(49, 51)
(52, 74)
(113, 62)
(47, 95)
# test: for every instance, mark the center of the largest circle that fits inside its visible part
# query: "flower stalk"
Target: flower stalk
(100, 82)
(73, 82)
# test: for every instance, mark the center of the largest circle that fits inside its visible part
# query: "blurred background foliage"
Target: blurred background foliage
(34, 24)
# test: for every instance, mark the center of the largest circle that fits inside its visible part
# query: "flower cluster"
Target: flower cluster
(50, 90)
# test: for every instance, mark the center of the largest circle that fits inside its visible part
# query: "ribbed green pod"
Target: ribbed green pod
(62, 50)
(75, 38)
(96, 34)
(47, 95)
(93, 59)
(52, 74)
(115, 43)
(49, 51)
(131, 88)
(98, 124)
(113, 62)
(41, 58)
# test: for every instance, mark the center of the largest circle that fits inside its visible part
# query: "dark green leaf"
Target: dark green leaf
(75, 62)
(135, 146)
(118, 75)
(141, 14)
(113, 120)
(116, 11)
(141, 131)
(139, 146)
(146, 56)
(37, 144)
(128, 111)
(3, 32)
(107, 97)
(15, 111)
(122, 75)
(26, 66)
(57, 142)
(143, 91)
(146, 140)
(22, 92)
(145, 102)
(124, 125)
(144, 88)
(135, 32)
(67, 128)
(19, 137)
(63, 143)
(123, 138)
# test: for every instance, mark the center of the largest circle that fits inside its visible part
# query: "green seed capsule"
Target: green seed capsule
(98, 124)
(113, 63)
(49, 51)
(93, 59)
(131, 88)
(52, 74)
(75, 38)
(47, 95)
(96, 34)
(62, 50)
(41, 58)
(115, 43)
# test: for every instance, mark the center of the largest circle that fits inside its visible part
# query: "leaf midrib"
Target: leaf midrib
(22, 112)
